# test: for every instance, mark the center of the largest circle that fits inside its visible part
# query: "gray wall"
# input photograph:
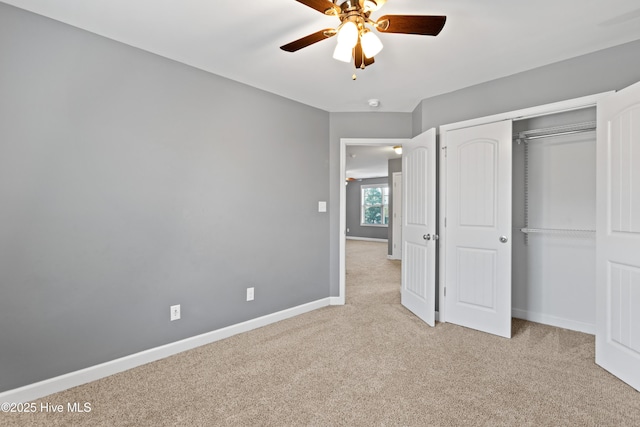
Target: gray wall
(353, 211)
(354, 125)
(416, 120)
(601, 71)
(605, 70)
(129, 183)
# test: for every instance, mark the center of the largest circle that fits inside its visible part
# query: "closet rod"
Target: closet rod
(569, 132)
(555, 131)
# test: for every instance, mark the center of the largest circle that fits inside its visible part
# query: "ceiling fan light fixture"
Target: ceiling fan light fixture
(348, 34)
(342, 53)
(371, 44)
(370, 5)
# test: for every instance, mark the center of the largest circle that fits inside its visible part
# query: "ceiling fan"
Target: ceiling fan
(355, 38)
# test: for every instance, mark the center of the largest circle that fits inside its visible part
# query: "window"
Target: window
(375, 205)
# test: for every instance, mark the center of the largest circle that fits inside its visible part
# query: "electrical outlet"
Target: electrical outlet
(249, 294)
(175, 312)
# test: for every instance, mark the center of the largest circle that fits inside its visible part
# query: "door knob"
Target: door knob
(427, 237)
(503, 239)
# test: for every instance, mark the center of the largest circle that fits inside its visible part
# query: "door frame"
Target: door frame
(396, 244)
(342, 229)
(525, 113)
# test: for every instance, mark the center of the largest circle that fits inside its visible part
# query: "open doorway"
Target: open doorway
(371, 277)
(357, 162)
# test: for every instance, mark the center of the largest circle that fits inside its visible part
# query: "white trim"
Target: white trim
(63, 382)
(396, 220)
(336, 301)
(381, 205)
(367, 239)
(526, 113)
(441, 202)
(558, 322)
(342, 230)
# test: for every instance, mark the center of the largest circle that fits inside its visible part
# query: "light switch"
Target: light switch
(322, 206)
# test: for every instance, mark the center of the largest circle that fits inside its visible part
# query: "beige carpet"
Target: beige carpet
(368, 363)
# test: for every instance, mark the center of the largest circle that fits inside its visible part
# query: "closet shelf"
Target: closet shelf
(559, 231)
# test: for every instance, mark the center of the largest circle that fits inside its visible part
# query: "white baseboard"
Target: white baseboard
(63, 382)
(558, 322)
(336, 301)
(367, 239)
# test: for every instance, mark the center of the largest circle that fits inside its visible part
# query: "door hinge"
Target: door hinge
(445, 291)
(445, 221)
(444, 150)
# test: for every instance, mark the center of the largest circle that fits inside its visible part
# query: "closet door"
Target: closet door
(478, 227)
(618, 235)
(418, 290)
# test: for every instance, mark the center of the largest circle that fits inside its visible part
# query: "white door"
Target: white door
(618, 235)
(419, 226)
(478, 227)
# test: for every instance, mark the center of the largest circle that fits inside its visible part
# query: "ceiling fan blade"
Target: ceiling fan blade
(358, 56)
(309, 40)
(323, 6)
(425, 25)
(368, 61)
(359, 59)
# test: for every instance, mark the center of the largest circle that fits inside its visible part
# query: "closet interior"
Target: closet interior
(554, 217)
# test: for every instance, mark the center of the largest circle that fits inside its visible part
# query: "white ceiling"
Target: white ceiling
(366, 161)
(481, 41)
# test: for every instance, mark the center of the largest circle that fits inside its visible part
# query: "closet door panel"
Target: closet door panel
(618, 235)
(478, 224)
(478, 186)
(477, 279)
(625, 293)
(625, 178)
